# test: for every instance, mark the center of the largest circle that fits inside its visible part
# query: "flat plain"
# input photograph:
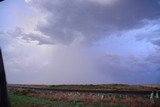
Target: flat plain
(104, 95)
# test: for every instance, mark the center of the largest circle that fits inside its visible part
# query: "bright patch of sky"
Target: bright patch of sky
(126, 44)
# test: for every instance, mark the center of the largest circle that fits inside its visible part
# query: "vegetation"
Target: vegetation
(28, 101)
(113, 87)
(28, 97)
(101, 87)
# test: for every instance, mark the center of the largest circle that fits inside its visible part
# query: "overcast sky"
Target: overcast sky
(81, 41)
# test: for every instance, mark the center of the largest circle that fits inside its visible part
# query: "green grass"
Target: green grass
(26, 100)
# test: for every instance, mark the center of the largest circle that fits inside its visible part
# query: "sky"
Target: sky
(81, 41)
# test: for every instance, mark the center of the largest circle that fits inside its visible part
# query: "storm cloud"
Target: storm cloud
(82, 42)
(92, 19)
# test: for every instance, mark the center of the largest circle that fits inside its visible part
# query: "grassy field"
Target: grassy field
(28, 101)
(24, 97)
(113, 87)
(101, 87)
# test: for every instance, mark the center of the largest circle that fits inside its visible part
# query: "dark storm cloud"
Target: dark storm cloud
(154, 57)
(69, 19)
(156, 42)
(130, 69)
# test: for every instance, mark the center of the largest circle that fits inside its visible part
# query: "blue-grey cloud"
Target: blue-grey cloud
(154, 57)
(131, 69)
(156, 42)
(76, 22)
(66, 20)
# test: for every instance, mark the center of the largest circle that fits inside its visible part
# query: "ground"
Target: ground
(84, 95)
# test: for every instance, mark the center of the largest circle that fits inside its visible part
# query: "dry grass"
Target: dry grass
(109, 99)
(90, 98)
